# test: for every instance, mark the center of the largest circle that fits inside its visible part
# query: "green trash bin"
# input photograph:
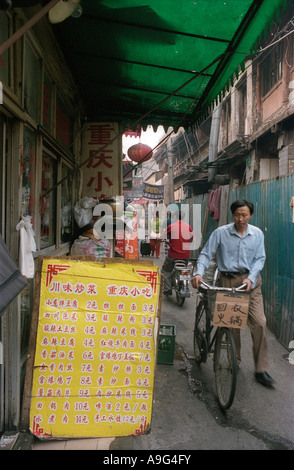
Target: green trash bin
(166, 344)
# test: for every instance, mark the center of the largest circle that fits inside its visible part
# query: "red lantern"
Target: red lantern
(138, 152)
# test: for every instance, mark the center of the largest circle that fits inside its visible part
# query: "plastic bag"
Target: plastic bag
(83, 210)
(27, 245)
(155, 235)
(89, 247)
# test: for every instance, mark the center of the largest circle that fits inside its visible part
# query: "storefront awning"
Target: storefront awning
(160, 61)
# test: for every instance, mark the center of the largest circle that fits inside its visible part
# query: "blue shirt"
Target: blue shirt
(234, 252)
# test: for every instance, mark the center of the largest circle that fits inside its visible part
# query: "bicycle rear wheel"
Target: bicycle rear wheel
(225, 367)
(180, 300)
(200, 343)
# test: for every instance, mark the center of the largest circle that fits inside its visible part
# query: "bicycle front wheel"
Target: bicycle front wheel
(200, 327)
(225, 367)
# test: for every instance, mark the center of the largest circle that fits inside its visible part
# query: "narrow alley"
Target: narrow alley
(186, 416)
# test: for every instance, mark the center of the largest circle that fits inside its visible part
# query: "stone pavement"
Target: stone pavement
(102, 443)
(185, 412)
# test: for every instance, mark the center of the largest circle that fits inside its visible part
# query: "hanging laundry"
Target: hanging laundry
(214, 202)
(27, 246)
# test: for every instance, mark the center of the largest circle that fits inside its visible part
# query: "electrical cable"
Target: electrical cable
(134, 124)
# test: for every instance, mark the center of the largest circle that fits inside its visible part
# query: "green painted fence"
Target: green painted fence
(274, 216)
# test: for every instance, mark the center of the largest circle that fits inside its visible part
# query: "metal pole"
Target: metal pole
(27, 26)
(170, 172)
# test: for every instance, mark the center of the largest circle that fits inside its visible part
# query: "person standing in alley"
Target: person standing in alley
(240, 253)
(155, 235)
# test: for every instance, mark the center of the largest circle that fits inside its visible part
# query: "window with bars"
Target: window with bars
(271, 68)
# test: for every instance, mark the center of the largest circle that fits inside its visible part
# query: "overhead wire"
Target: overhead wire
(257, 54)
(135, 124)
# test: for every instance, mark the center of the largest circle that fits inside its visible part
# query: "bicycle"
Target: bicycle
(181, 275)
(180, 279)
(209, 337)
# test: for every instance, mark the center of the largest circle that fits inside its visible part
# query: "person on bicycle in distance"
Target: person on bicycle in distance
(180, 235)
(240, 253)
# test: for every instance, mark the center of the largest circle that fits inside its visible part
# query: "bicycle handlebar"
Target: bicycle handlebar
(216, 288)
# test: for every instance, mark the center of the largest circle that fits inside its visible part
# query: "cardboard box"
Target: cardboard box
(231, 310)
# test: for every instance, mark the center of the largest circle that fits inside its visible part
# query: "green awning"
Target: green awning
(159, 61)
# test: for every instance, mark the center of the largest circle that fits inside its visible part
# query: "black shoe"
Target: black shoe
(168, 292)
(264, 378)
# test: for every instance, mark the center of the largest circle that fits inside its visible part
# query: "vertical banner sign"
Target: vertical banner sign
(131, 241)
(93, 371)
(120, 243)
(102, 172)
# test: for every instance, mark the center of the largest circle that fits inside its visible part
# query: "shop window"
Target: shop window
(48, 201)
(226, 122)
(271, 68)
(47, 104)
(27, 170)
(31, 81)
(4, 58)
(64, 130)
(242, 107)
(66, 204)
(290, 56)
(26, 308)
(2, 179)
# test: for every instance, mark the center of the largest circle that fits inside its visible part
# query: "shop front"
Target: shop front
(39, 147)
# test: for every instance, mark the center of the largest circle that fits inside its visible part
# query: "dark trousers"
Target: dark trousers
(167, 269)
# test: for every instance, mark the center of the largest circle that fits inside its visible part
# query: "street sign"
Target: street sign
(92, 371)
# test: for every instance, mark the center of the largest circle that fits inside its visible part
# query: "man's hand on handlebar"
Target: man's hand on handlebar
(249, 285)
(195, 281)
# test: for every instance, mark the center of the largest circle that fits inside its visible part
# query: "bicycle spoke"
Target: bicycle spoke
(221, 344)
(200, 343)
(180, 300)
(225, 368)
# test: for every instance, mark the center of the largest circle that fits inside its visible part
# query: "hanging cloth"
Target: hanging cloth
(214, 202)
(26, 247)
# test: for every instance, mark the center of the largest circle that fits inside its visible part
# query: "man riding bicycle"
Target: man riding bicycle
(240, 253)
(180, 236)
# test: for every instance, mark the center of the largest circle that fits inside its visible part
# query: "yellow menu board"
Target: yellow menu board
(95, 354)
